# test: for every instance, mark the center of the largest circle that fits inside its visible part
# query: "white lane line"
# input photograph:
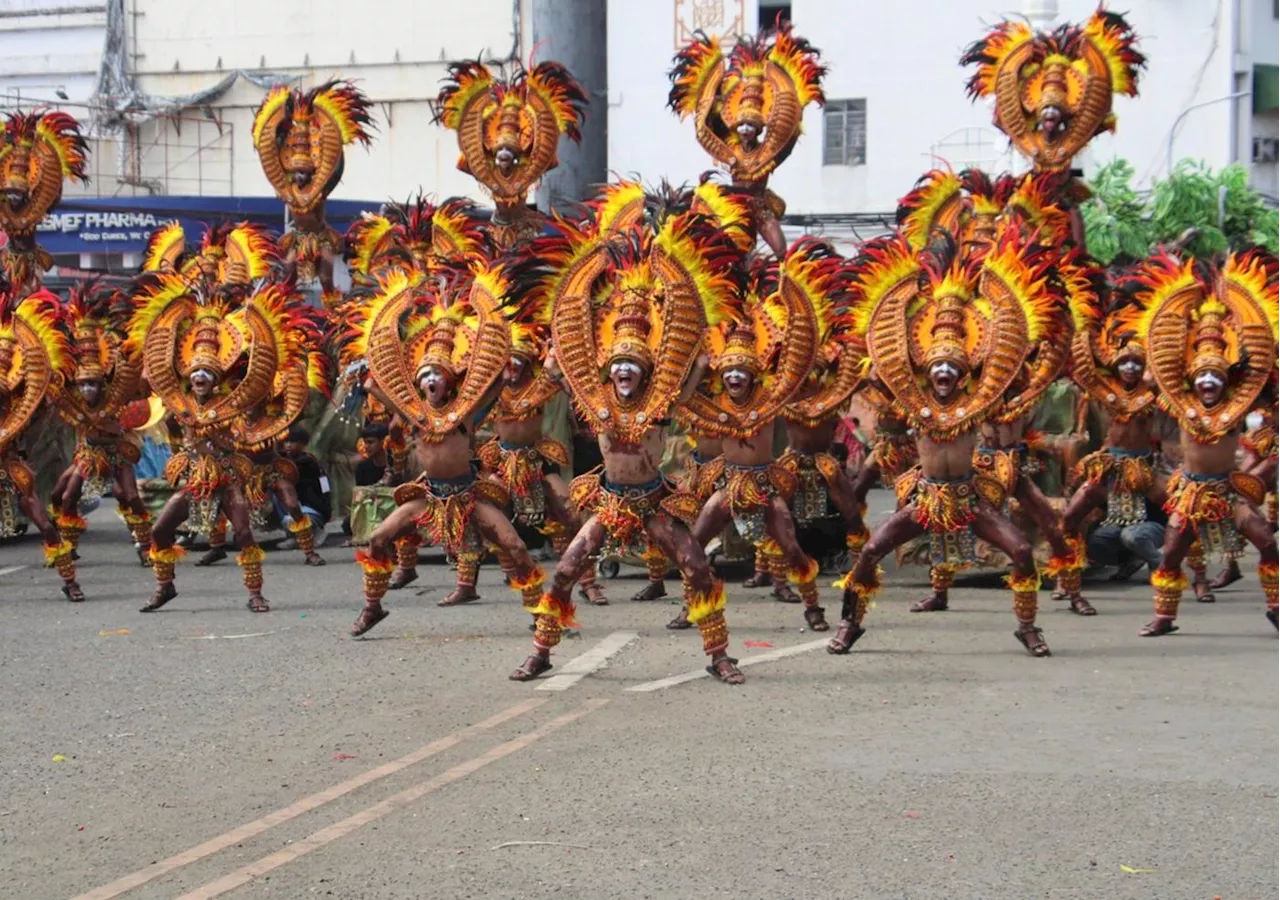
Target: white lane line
(581, 666)
(780, 653)
(9, 570)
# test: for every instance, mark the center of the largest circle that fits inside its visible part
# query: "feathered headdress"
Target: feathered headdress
(1053, 89)
(978, 313)
(1224, 319)
(89, 314)
(763, 86)
(38, 150)
(508, 128)
(300, 138)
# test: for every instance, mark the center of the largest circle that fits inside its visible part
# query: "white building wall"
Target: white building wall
(48, 46)
(902, 58)
(395, 50)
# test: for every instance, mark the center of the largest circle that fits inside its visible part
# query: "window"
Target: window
(844, 133)
(770, 13)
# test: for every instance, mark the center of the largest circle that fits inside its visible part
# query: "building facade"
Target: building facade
(896, 95)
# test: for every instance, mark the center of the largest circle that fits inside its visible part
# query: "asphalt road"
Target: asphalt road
(205, 751)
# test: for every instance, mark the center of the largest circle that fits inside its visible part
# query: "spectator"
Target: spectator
(1129, 547)
(373, 462)
(312, 486)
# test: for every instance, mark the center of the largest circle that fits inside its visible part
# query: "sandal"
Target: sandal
(1206, 597)
(726, 669)
(164, 593)
(758, 580)
(784, 594)
(680, 622)
(1032, 638)
(458, 596)
(935, 602)
(369, 616)
(144, 556)
(654, 590)
(212, 555)
(814, 618)
(846, 636)
(258, 603)
(72, 592)
(401, 578)
(1230, 574)
(314, 559)
(1081, 606)
(1158, 627)
(1273, 616)
(531, 668)
(594, 594)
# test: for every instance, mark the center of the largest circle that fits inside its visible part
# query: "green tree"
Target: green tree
(1211, 211)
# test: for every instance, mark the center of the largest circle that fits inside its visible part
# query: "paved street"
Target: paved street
(204, 751)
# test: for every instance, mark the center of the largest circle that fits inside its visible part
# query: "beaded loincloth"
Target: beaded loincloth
(1208, 503)
(522, 472)
(1128, 475)
(622, 509)
(815, 475)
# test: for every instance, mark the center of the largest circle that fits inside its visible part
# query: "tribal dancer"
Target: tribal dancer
(209, 373)
(811, 420)
(747, 110)
(629, 352)
(37, 153)
(520, 458)
(948, 337)
(455, 347)
(259, 432)
(760, 361)
(228, 260)
(445, 242)
(974, 209)
(1211, 334)
(1109, 363)
(300, 138)
(100, 407)
(624, 205)
(35, 354)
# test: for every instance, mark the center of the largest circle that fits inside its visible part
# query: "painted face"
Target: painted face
(943, 378)
(1130, 372)
(435, 384)
(505, 159)
(90, 391)
(1210, 386)
(202, 383)
(517, 368)
(748, 134)
(738, 384)
(1051, 122)
(626, 378)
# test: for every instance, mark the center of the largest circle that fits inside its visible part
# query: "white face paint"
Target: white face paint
(944, 368)
(1130, 368)
(736, 378)
(1209, 379)
(1254, 420)
(625, 376)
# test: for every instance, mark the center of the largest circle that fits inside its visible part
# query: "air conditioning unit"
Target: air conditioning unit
(1266, 149)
